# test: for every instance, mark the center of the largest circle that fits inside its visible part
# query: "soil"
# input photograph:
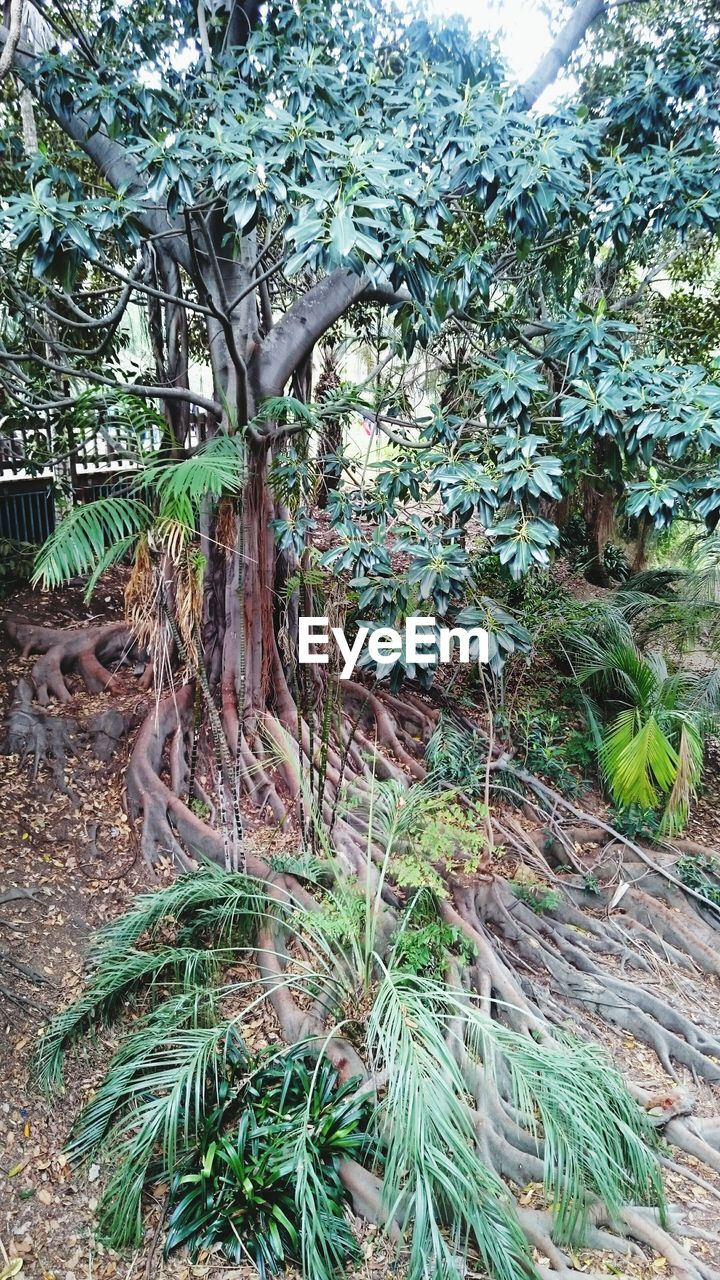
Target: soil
(70, 862)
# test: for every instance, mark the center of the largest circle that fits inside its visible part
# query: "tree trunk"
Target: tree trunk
(598, 513)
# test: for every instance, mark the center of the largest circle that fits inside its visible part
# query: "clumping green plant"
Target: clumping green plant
(199, 807)
(591, 884)
(446, 837)
(455, 756)
(424, 942)
(235, 1189)
(183, 1101)
(701, 873)
(342, 914)
(634, 821)
(16, 564)
(538, 897)
(549, 748)
(649, 722)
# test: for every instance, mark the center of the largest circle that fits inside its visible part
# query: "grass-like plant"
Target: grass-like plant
(236, 1187)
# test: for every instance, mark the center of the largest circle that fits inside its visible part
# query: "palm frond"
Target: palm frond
(114, 979)
(433, 1176)
(113, 554)
(208, 906)
(638, 759)
(92, 534)
(287, 409)
(217, 467)
(159, 1088)
(238, 899)
(596, 1141)
(687, 777)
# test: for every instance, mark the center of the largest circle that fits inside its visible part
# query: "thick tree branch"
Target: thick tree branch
(7, 53)
(295, 334)
(131, 388)
(564, 45)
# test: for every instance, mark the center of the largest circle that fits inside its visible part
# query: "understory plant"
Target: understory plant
(235, 1188)
(252, 1148)
(648, 720)
(16, 564)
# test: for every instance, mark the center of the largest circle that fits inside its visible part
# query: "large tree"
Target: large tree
(261, 174)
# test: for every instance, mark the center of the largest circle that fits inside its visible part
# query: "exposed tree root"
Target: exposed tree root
(39, 738)
(84, 651)
(531, 972)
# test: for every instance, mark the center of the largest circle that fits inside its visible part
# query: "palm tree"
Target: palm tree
(649, 722)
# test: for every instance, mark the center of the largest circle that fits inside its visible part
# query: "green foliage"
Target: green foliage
(424, 942)
(651, 751)
(634, 821)
(16, 564)
(597, 1142)
(342, 916)
(449, 836)
(256, 1142)
(92, 535)
(538, 897)
(548, 747)
(506, 634)
(98, 534)
(615, 562)
(132, 950)
(216, 467)
(453, 196)
(701, 873)
(456, 755)
(236, 1189)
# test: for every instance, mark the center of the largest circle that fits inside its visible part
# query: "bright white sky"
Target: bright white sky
(522, 25)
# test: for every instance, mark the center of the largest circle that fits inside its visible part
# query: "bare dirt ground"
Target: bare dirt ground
(69, 863)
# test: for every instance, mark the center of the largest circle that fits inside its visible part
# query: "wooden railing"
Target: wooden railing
(32, 462)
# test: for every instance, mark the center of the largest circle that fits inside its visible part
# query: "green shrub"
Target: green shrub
(16, 563)
(700, 872)
(538, 897)
(424, 942)
(236, 1188)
